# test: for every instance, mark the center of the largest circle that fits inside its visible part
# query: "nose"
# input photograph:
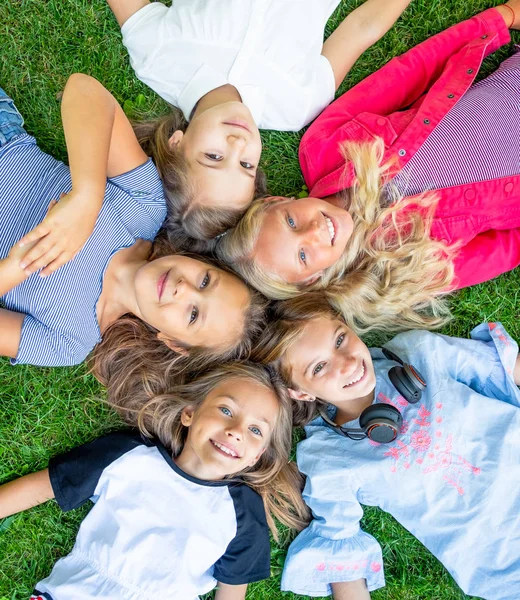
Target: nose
(182, 287)
(346, 364)
(234, 431)
(236, 142)
(316, 234)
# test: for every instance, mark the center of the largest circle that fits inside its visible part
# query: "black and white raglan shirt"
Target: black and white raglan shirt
(154, 531)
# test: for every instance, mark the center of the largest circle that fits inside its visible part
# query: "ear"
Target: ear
(176, 138)
(172, 344)
(187, 415)
(301, 396)
(257, 457)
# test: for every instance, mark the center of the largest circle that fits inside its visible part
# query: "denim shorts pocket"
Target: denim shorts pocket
(11, 121)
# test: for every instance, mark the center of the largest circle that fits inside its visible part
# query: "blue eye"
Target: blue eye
(303, 258)
(205, 281)
(318, 368)
(255, 430)
(291, 222)
(226, 411)
(194, 315)
(339, 341)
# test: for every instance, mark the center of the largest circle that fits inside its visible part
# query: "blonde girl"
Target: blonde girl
(446, 476)
(373, 232)
(184, 507)
(232, 67)
(94, 248)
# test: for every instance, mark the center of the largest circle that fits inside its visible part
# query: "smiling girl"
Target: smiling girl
(183, 509)
(231, 67)
(110, 209)
(372, 231)
(449, 410)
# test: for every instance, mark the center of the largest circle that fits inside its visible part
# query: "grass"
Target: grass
(45, 411)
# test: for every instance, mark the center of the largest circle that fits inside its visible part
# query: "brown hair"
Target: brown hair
(277, 480)
(130, 359)
(284, 329)
(392, 275)
(187, 221)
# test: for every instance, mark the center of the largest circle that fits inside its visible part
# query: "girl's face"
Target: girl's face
(230, 430)
(190, 301)
(222, 146)
(301, 238)
(330, 362)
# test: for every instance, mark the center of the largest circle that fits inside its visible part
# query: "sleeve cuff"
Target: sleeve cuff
(494, 20)
(314, 562)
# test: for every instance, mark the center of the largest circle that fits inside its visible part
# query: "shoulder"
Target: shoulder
(249, 506)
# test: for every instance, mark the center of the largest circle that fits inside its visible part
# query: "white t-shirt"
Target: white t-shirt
(270, 50)
(154, 531)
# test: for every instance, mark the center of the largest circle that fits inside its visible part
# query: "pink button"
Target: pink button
(381, 121)
(469, 194)
(508, 187)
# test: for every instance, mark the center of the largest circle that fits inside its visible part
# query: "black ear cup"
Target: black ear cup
(381, 422)
(406, 379)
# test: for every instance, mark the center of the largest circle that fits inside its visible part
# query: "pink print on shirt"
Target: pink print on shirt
(419, 447)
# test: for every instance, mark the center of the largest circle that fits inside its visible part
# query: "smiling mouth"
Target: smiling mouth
(161, 284)
(331, 228)
(357, 376)
(224, 449)
(240, 124)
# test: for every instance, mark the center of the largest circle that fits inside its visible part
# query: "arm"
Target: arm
(351, 590)
(124, 9)
(11, 328)
(230, 592)
(100, 144)
(516, 371)
(361, 29)
(405, 78)
(24, 493)
(333, 549)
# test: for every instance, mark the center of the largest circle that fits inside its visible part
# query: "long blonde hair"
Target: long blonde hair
(391, 275)
(131, 360)
(188, 223)
(277, 480)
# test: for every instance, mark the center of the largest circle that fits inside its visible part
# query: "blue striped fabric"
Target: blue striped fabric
(61, 327)
(478, 140)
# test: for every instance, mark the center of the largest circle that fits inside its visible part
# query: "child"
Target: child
(174, 515)
(232, 66)
(104, 229)
(450, 476)
(374, 250)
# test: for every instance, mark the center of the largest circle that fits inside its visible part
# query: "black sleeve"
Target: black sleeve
(247, 557)
(75, 474)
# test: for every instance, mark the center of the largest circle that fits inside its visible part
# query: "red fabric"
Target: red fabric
(402, 103)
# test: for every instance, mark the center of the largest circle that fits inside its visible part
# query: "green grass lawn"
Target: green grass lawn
(45, 411)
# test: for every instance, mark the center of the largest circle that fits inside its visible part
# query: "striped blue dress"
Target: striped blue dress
(60, 327)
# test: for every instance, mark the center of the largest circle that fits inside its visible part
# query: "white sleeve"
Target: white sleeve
(333, 548)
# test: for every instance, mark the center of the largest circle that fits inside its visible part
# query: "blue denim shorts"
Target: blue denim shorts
(11, 120)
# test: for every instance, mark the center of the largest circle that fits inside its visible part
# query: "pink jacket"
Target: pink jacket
(402, 103)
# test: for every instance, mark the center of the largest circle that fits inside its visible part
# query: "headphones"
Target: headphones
(382, 422)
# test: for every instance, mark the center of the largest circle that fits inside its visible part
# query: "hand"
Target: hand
(61, 235)
(508, 15)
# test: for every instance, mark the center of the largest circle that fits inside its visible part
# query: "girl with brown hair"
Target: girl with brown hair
(410, 428)
(95, 252)
(185, 507)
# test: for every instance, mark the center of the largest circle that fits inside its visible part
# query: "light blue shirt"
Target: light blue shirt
(452, 477)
